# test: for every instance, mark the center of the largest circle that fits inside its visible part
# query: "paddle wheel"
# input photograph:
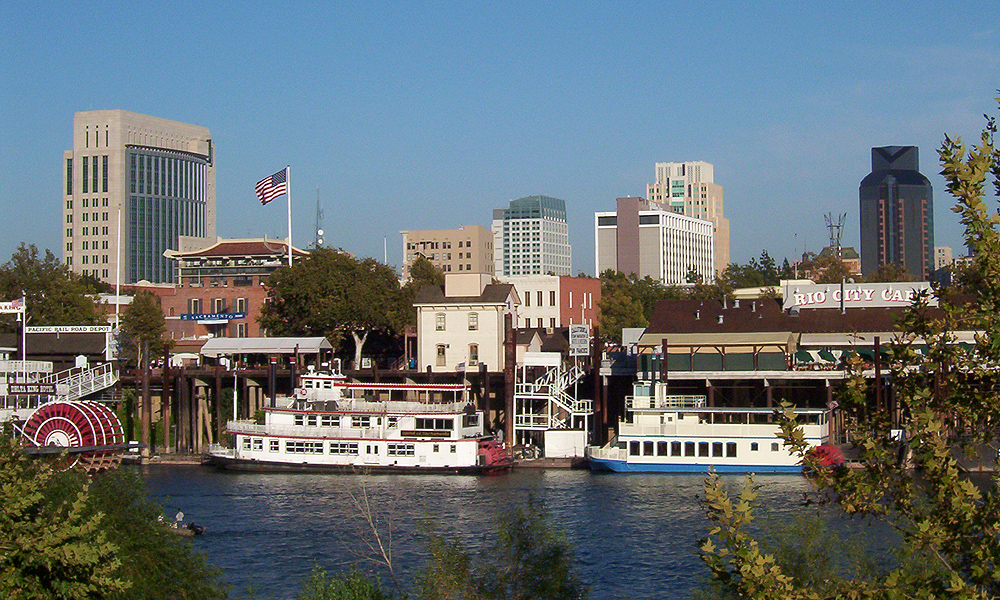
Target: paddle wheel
(89, 431)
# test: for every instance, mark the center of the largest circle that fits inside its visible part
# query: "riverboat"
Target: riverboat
(680, 434)
(334, 424)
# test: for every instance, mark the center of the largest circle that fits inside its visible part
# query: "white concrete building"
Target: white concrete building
(462, 323)
(157, 174)
(531, 237)
(646, 238)
(689, 188)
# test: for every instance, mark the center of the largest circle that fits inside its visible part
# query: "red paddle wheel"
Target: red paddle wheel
(91, 433)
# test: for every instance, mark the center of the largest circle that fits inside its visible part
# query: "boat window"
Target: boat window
(470, 420)
(361, 421)
(343, 448)
(392, 421)
(246, 443)
(437, 424)
(702, 448)
(647, 448)
(453, 448)
(258, 444)
(675, 448)
(300, 419)
(753, 446)
(328, 385)
(633, 448)
(716, 448)
(399, 450)
(774, 446)
(661, 449)
(303, 447)
(688, 448)
(731, 449)
(311, 420)
(329, 421)
(435, 449)
(274, 446)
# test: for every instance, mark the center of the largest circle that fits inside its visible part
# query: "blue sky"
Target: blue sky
(427, 115)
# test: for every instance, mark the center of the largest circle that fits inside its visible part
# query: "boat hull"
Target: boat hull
(621, 466)
(228, 463)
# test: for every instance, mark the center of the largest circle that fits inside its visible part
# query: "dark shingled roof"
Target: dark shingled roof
(765, 315)
(494, 293)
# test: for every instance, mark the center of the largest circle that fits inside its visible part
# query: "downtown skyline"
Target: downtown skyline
(428, 117)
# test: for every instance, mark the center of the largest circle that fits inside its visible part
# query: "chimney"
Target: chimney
(720, 319)
(753, 306)
(736, 303)
(697, 315)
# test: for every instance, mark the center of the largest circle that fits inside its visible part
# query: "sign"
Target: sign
(31, 389)
(14, 306)
(579, 340)
(856, 295)
(70, 329)
(214, 317)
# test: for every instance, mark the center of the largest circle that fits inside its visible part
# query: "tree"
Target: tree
(49, 548)
(889, 272)
(53, 294)
(949, 528)
(422, 273)
(143, 323)
(619, 310)
(330, 294)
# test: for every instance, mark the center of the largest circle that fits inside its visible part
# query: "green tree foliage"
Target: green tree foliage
(891, 272)
(525, 560)
(628, 301)
(949, 528)
(143, 323)
(332, 294)
(349, 586)
(825, 268)
(756, 273)
(54, 295)
(422, 273)
(50, 549)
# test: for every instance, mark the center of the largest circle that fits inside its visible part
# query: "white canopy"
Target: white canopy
(216, 347)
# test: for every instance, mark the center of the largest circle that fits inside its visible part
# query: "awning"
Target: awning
(216, 347)
(827, 356)
(803, 356)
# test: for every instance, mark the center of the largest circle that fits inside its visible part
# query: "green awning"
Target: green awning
(865, 353)
(827, 356)
(803, 356)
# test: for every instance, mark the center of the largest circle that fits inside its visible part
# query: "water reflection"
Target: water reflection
(634, 535)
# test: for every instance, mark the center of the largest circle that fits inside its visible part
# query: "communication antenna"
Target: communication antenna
(319, 221)
(836, 229)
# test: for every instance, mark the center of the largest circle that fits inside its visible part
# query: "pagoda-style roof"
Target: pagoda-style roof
(239, 248)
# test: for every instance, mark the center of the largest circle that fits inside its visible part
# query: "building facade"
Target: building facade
(648, 238)
(551, 301)
(689, 188)
(461, 324)
(468, 249)
(531, 237)
(897, 213)
(143, 180)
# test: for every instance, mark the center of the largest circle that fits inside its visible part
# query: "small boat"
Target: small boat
(189, 530)
(680, 434)
(333, 424)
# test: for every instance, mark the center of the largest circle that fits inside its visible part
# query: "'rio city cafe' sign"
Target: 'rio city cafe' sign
(856, 295)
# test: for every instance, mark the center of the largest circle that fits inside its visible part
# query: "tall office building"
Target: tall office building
(648, 238)
(531, 237)
(468, 249)
(147, 179)
(689, 188)
(897, 213)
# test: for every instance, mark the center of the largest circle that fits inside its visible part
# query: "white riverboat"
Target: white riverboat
(332, 423)
(680, 434)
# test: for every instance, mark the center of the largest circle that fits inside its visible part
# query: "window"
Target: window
(440, 355)
(246, 443)
(730, 449)
(717, 449)
(439, 322)
(470, 420)
(330, 420)
(702, 448)
(69, 180)
(86, 189)
(274, 446)
(473, 321)
(552, 297)
(300, 419)
(311, 420)
(647, 448)
(473, 355)
(303, 447)
(400, 450)
(661, 449)
(258, 444)
(362, 421)
(194, 306)
(427, 423)
(344, 448)
(527, 299)
(633, 448)
(241, 305)
(539, 297)
(452, 449)
(753, 446)
(675, 449)
(104, 172)
(774, 446)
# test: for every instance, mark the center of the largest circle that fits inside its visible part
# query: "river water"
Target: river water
(634, 536)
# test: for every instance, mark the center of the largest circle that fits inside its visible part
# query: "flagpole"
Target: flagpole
(288, 193)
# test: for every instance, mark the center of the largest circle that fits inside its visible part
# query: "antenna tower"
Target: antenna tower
(319, 221)
(836, 229)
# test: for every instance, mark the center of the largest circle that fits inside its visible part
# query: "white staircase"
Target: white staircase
(545, 404)
(80, 382)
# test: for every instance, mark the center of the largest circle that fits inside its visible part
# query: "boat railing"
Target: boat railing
(401, 406)
(531, 420)
(251, 428)
(607, 452)
(220, 450)
(673, 401)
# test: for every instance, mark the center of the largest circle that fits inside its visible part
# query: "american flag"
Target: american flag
(272, 186)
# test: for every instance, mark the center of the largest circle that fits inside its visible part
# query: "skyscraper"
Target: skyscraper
(897, 213)
(531, 237)
(153, 177)
(689, 188)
